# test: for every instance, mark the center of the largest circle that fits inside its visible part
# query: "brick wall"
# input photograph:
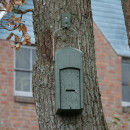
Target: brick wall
(23, 116)
(13, 115)
(109, 76)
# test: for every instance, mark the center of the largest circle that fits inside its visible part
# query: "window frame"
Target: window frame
(23, 93)
(124, 103)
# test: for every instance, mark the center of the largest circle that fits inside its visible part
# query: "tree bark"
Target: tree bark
(47, 19)
(126, 11)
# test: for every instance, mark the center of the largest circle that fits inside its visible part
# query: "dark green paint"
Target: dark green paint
(69, 80)
(66, 20)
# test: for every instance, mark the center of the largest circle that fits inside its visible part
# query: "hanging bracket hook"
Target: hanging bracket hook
(53, 42)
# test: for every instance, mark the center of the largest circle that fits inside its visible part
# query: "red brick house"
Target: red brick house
(17, 109)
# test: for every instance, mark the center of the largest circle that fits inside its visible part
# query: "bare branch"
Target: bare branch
(18, 11)
(3, 2)
(3, 10)
(3, 27)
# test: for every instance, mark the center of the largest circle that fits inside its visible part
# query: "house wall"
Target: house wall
(16, 115)
(13, 115)
(109, 72)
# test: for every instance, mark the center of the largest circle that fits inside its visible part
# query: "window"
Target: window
(24, 61)
(126, 82)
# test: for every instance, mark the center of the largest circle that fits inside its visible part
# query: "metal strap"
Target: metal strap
(53, 42)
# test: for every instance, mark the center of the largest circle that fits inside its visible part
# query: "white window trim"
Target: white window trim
(22, 93)
(125, 104)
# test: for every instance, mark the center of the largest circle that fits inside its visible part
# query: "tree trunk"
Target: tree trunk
(47, 19)
(126, 11)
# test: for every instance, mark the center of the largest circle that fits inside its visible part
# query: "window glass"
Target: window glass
(126, 93)
(23, 58)
(33, 56)
(126, 73)
(22, 81)
(126, 81)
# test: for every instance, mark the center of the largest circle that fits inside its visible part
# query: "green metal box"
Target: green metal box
(69, 80)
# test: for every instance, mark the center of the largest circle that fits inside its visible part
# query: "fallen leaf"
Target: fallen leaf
(116, 118)
(24, 29)
(24, 1)
(17, 39)
(18, 2)
(27, 40)
(15, 26)
(18, 20)
(12, 22)
(24, 42)
(9, 7)
(17, 46)
(27, 37)
(13, 17)
(29, 43)
(19, 28)
(6, 19)
(9, 37)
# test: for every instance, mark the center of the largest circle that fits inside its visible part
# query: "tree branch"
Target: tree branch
(3, 2)
(2, 10)
(3, 27)
(18, 11)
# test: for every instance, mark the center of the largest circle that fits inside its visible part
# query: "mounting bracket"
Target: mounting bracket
(66, 20)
